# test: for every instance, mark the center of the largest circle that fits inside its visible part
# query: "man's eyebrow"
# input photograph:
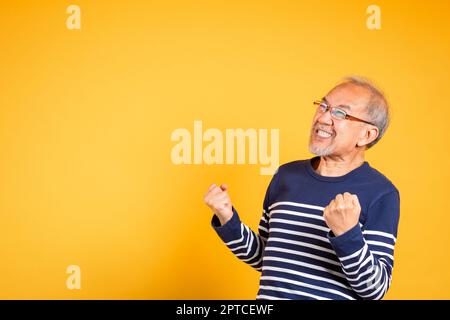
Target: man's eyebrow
(342, 106)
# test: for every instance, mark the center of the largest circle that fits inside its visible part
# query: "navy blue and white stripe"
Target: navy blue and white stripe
(295, 251)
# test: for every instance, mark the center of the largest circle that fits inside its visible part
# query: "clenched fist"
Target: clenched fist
(219, 202)
(342, 213)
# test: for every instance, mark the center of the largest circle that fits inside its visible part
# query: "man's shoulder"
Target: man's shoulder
(376, 179)
(292, 166)
(379, 179)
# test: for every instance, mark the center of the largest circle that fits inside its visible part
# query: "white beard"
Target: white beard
(322, 152)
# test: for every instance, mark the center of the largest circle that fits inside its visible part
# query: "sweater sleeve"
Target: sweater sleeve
(243, 242)
(367, 253)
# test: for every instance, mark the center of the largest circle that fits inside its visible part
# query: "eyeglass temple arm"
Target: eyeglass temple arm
(348, 116)
(358, 119)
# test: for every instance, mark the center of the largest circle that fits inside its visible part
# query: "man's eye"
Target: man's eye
(339, 114)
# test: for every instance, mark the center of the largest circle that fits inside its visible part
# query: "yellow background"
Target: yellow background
(86, 117)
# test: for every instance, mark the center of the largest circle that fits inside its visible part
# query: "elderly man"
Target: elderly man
(329, 223)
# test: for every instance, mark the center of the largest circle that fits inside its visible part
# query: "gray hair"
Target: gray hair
(377, 109)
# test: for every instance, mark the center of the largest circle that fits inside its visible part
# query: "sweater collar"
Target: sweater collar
(346, 176)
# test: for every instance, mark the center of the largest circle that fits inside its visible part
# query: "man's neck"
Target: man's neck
(335, 166)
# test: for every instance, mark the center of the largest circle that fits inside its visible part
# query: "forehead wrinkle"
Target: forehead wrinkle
(342, 106)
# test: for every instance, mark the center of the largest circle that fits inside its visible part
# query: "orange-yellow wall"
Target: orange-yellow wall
(86, 117)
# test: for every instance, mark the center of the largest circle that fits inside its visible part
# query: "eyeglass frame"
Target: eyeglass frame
(347, 116)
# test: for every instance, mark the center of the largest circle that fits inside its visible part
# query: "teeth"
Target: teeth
(323, 134)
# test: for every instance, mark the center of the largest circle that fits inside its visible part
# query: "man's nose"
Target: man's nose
(325, 118)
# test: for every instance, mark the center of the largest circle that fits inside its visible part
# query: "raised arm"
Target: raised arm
(367, 253)
(243, 242)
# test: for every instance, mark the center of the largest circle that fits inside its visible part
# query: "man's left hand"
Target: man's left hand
(342, 213)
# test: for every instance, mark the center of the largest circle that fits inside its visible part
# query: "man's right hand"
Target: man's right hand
(218, 200)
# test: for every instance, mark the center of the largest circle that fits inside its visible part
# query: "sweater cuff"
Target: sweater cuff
(347, 243)
(231, 230)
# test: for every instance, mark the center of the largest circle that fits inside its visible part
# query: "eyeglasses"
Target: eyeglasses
(337, 113)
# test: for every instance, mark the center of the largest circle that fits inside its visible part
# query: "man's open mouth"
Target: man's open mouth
(324, 134)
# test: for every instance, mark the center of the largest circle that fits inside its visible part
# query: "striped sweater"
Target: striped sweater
(295, 251)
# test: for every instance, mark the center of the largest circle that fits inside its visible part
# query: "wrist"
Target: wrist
(224, 218)
(340, 231)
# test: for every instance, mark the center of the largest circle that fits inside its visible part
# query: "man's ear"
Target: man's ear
(369, 135)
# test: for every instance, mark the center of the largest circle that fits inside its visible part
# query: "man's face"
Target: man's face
(331, 136)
